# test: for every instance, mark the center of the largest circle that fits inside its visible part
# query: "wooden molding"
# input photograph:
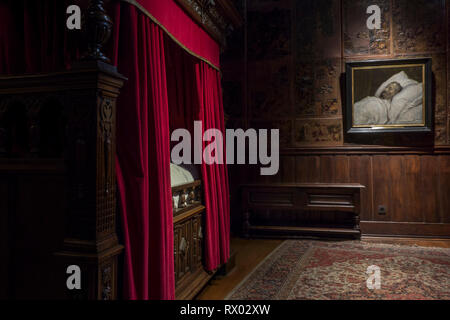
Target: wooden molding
(363, 149)
(405, 229)
(230, 12)
(217, 17)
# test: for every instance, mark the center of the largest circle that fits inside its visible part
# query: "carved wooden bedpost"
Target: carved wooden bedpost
(91, 241)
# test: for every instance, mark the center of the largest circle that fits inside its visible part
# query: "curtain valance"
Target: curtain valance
(181, 28)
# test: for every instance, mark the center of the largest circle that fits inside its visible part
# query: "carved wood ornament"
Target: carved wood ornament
(218, 17)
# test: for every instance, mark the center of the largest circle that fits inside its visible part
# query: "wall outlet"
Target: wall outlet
(382, 210)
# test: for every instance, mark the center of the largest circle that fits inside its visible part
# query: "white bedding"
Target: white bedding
(406, 107)
(179, 175)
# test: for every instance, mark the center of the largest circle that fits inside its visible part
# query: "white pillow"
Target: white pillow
(401, 78)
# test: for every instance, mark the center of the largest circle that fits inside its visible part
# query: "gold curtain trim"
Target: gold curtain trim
(141, 8)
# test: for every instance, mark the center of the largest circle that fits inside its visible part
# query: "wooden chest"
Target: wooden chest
(190, 276)
(298, 210)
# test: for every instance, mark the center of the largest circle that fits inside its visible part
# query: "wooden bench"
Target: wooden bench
(299, 210)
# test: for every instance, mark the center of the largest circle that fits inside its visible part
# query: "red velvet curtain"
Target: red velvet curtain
(195, 95)
(182, 89)
(215, 176)
(143, 157)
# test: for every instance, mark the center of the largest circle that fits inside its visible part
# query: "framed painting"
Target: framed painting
(389, 96)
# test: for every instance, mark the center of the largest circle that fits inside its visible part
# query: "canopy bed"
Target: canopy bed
(79, 145)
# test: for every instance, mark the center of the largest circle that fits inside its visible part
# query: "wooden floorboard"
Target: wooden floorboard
(251, 252)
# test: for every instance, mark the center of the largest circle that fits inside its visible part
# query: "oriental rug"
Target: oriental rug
(318, 270)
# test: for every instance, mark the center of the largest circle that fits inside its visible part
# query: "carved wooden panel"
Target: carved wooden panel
(176, 245)
(318, 131)
(32, 125)
(106, 179)
(190, 276)
(448, 129)
(304, 81)
(440, 130)
(216, 17)
(419, 26)
(58, 131)
(269, 33)
(269, 89)
(440, 68)
(317, 88)
(440, 82)
(82, 130)
(448, 72)
(357, 38)
(184, 248)
(233, 98)
(106, 280)
(284, 127)
(186, 197)
(264, 197)
(197, 241)
(317, 29)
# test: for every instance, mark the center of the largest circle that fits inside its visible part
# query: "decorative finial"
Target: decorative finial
(97, 26)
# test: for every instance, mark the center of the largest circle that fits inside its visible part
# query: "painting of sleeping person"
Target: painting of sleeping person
(389, 96)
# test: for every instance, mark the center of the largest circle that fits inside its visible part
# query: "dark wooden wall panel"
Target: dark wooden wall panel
(361, 172)
(444, 190)
(386, 172)
(307, 169)
(429, 182)
(288, 169)
(411, 190)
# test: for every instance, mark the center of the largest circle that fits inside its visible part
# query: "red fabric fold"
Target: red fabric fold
(143, 157)
(164, 81)
(215, 176)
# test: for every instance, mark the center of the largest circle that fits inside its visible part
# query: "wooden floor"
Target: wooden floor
(250, 253)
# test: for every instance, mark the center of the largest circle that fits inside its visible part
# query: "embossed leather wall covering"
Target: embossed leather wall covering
(283, 70)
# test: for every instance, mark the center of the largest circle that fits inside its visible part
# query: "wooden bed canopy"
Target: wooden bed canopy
(58, 181)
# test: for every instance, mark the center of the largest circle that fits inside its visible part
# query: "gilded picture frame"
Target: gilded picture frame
(389, 96)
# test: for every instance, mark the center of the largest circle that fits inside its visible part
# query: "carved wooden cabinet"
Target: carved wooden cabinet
(298, 210)
(189, 215)
(190, 276)
(57, 171)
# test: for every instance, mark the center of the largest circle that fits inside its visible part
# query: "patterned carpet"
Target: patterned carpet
(316, 270)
